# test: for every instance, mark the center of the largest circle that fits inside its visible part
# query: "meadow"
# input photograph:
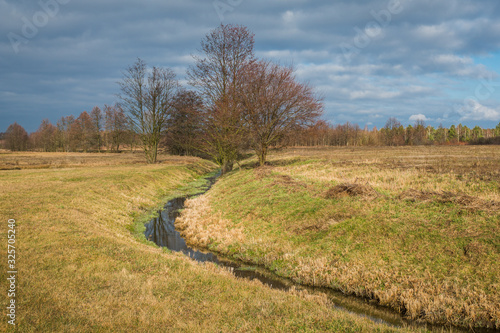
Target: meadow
(416, 229)
(85, 266)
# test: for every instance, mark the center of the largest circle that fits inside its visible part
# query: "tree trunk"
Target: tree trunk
(227, 166)
(262, 155)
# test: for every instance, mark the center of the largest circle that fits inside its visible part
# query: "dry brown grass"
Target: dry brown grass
(414, 228)
(351, 190)
(446, 197)
(463, 169)
(82, 270)
(198, 225)
(36, 160)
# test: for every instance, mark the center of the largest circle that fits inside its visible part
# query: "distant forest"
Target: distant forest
(109, 129)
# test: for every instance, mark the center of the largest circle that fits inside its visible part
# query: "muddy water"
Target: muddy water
(161, 230)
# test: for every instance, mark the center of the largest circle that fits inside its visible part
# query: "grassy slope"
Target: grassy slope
(427, 242)
(81, 269)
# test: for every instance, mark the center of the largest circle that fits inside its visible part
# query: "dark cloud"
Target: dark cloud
(370, 59)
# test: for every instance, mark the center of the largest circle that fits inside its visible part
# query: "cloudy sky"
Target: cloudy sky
(438, 61)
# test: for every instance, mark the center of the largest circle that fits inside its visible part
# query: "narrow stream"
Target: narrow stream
(161, 230)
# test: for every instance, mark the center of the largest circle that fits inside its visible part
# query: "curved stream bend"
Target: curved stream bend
(161, 230)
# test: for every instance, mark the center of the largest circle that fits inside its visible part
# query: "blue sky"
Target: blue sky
(371, 60)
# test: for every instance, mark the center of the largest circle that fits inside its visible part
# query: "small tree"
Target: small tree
(273, 103)
(420, 132)
(45, 138)
(63, 131)
(76, 135)
(116, 125)
(147, 98)
(440, 134)
(452, 134)
(497, 130)
(16, 138)
(88, 131)
(96, 118)
(392, 132)
(184, 124)
(477, 133)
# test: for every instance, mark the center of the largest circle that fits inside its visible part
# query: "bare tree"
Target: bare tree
(16, 138)
(45, 138)
(96, 118)
(393, 132)
(420, 132)
(63, 130)
(87, 129)
(76, 135)
(147, 98)
(274, 103)
(116, 125)
(226, 51)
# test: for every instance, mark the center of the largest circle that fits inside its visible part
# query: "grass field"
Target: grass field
(84, 266)
(415, 228)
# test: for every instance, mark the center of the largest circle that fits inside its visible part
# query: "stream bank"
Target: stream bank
(162, 231)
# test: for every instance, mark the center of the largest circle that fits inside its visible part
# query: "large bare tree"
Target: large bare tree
(274, 103)
(226, 51)
(147, 98)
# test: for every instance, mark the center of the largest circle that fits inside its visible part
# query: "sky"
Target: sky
(437, 61)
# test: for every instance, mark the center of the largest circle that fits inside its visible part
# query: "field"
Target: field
(415, 228)
(85, 266)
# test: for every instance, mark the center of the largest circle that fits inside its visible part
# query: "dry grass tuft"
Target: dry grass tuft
(198, 225)
(447, 197)
(288, 182)
(350, 190)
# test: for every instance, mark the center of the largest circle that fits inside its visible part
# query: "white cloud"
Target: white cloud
(417, 117)
(288, 17)
(374, 94)
(473, 110)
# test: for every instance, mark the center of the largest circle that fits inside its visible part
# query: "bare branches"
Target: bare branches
(116, 125)
(226, 51)
(147, 98)
(184, 130)
(16, 138)
(274, 103)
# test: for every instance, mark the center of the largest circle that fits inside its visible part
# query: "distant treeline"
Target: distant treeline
(110, 130)
(392, 134)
